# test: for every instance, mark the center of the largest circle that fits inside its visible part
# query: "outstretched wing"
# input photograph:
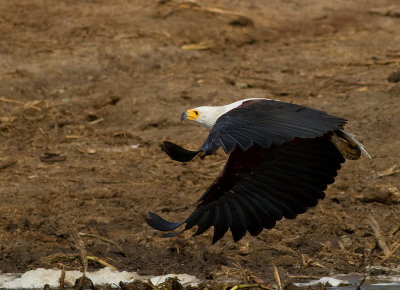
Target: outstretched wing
(265, 123)
(258, 187)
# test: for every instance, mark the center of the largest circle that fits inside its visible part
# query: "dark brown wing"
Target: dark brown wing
(258, 187)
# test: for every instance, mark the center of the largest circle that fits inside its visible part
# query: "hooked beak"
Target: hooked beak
(191, 114)
(184, 116)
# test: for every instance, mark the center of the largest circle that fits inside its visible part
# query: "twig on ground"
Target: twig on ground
(389, 171)
(355, 83)
(394, 230)
(199, 46)
(395, 247)
(209, 9)
(305, 260)
(104, 240)
(101, 262)
(377, 62)
(378, 236)
(90, 258)
(82, 251)
(361, 282)
(246, 274)
(5, 100)
(62, 278)
(277, 278)
(32, 105)
(165, 270)
(73, 136)
(97, 121)
(29, 105)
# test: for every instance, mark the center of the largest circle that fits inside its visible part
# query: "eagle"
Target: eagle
(282, 157)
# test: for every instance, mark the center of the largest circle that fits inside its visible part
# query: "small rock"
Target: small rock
(346, 241)
(136, 285)
(91, 114)
(392, 11)
(5, 119)
(52, 157)
(91, 151)
(242, 21)
(244, 249)
(394, 77)
(383, 194)
(258, 280)
(83, 283)
(241, 85)
(171, 283)
(7, 163)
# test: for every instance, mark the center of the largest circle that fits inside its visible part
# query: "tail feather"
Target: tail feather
(348, 145)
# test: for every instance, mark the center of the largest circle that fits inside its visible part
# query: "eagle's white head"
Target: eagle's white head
(206, 116)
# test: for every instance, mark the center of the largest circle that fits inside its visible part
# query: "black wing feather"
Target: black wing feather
(242, 140)
(161, 224)
(205, 221)
(224, 221)
(239, 224)
(228, 143)
(253, 218)
(259, 189)
(177, 152)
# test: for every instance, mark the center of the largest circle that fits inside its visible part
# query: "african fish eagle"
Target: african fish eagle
(282, 156)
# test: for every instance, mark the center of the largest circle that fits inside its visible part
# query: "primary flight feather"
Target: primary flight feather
(282, 156)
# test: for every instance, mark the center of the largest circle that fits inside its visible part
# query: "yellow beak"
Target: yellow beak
(190, 115)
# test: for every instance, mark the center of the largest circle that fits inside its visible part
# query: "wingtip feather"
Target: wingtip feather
(158, 223)
(177, 152)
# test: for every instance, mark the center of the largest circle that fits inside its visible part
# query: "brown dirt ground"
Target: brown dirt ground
(83, 81)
